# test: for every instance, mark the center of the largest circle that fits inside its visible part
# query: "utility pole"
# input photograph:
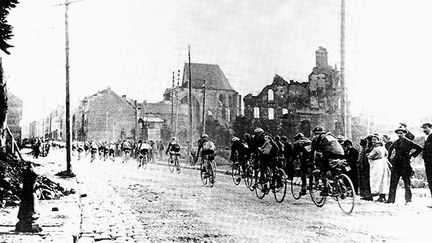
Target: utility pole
(43, 119)
(203, 114)
(68, 123)
(177, 102)
(136, 120)
(172, 105)
(190, 106)
(345, 108)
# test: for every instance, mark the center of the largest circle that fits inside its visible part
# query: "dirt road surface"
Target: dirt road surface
(178, 208)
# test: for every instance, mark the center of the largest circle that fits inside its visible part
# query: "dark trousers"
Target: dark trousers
(363, 176)
(428, 168)
(394, 180)
(353, 175)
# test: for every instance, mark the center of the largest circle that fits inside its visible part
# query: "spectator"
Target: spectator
(379, 169)
(364, 168)
(160, 149)
(408, 135)
(401, 164)
(427, 154)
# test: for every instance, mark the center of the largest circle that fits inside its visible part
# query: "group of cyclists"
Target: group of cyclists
(110, 150)
(263, 152)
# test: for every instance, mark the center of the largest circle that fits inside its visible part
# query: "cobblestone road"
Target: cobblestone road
(126, 204)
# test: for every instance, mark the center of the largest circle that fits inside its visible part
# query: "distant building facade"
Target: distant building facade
(303, 105)
(222, 102)
(14, 116)
(104, 116)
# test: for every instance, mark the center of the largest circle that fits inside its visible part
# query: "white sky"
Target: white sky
(134, 45)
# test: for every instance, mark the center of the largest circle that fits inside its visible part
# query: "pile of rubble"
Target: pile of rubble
(11, 169)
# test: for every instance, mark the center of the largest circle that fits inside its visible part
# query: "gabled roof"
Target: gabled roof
(109, 91)
(211, 73)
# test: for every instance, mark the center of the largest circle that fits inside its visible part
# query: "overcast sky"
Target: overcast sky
(134, 45)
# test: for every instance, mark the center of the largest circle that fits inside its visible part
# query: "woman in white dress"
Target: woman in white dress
(379, 169)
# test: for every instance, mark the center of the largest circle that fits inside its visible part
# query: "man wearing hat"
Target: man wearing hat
(427, 154)
(408, 134)
(327, 148)
(401, 164)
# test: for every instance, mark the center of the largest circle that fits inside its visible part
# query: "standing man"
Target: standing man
(408, 135)
(427, 154)
(401, 164)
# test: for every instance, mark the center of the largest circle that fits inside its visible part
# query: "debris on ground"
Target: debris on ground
(11, 169)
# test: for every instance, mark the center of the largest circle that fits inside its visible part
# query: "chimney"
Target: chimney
(321, 57)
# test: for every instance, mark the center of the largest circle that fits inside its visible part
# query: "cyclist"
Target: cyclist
(106, 150)
(239, 152)
(111, 150)
(325, 147)
(207, 147)
(86, 147)
(80, 149)
(93, 150)
(144, 149)
(173, 147)
(126, 148)
(266, 150)
(101, 150)
(301, 149)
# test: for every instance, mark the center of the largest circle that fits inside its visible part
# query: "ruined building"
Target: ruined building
(300, 105)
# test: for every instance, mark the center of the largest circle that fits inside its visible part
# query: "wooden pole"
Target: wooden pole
(203, 113)
(136, 120)
(177, 102)
(68, 124)
(172, 105)
(345, 108)
(190, 104)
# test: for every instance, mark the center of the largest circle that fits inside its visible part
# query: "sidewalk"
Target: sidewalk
(57, 226)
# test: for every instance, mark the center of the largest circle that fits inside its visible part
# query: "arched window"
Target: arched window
(270, 113)
(256, 112)
(222, 99)
(284, 111)
(270, 94)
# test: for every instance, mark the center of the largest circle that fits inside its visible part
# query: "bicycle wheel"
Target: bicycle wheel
(171, 164)
(177, 164)
(204, 177)
(296, 185)
(235, 173)
(279, 185)
(249, 177)
(261, 186)
(345, 194)
(212, 173)
(144, 162)
(315, 187)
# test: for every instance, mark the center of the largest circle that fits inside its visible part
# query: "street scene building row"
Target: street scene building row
(108, 116)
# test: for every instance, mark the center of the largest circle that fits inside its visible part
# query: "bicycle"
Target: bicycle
(271, 179)
(313, 180)
(250, 172)
(93, 155)
(238, 171)
(142, 160)
(208, 170)
(340, 186)
(126, 156)
(174, 162)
